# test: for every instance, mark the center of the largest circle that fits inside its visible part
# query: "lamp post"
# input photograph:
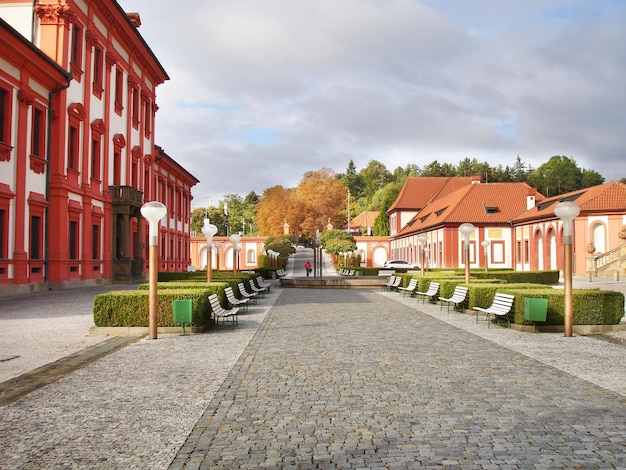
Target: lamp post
(209, 230)
(467, 229)
(235, 239)
(567, 211)
(153, 211)
(217, 246)
(485, 244)
(422, 238)
(226, 218)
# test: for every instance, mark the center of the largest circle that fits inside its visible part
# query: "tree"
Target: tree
(375, 175)
(272, 210)
(520, 171)
(337, 241)
(388, 197)
(473, 167)
(283, 244)
(559, 175)
(352, 180)
(215, 216)
(401, 174)
(437, 169)
(319, 198)
(591, 178)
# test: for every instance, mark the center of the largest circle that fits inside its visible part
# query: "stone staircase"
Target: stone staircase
(610, 264)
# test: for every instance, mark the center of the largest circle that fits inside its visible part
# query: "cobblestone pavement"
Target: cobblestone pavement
(337, 379)
(332, 379)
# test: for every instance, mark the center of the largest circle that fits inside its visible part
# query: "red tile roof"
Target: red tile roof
(607, 197)
(482, 204)
(364, 219)
(420, 190)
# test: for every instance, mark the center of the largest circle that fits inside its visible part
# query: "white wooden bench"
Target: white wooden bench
(433, 290)
(499, 308)
(220, 312)
(256, 289)
(281, 272)
(245, 294)
(265, 285)
(234, 301)
(457, 299)
(410, 289)
(392, 283)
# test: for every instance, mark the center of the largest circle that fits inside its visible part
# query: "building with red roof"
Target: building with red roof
(517, 224)
(599, 232)
(77, 149)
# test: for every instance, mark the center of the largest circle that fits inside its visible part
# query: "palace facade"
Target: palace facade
(77, 148)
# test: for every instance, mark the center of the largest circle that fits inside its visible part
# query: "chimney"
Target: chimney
(475, 179)
(530, 198)
(134, 19)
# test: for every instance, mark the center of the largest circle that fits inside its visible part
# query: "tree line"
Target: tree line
(321, 199)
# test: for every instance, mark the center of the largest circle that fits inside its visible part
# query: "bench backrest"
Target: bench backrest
(215, 304)
(433, 288)
(412, 284)
(459, 292)
(502, 302)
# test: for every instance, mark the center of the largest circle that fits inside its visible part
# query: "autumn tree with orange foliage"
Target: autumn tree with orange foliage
(320, 198)
(272, 210)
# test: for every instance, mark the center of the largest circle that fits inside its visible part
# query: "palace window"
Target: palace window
(147, 117)
(117, 168)
(3, 234)
(135, 106)
(4, 116)
(72, 148)
(95, 158)
(98, 71)
(95, 242)
(35, 237)
(73, 240)
(119, 91)
(76, 52)
(39, 133)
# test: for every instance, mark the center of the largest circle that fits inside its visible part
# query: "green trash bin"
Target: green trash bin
(182, 312)
(535, 309)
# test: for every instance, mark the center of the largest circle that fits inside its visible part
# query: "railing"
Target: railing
(126, 195)
(609, 257)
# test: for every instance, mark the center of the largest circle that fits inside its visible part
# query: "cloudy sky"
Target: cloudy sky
(261, 91)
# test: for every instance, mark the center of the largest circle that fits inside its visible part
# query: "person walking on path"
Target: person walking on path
(308, 268)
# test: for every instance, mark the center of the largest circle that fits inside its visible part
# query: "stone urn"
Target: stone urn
(622, 233)
(591, 248)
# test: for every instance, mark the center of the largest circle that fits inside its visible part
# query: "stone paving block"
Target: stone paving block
(333, 379)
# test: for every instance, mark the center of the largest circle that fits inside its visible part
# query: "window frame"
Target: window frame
(76, 51)
(38, 132)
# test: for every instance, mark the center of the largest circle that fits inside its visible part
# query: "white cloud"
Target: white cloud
(263, 90)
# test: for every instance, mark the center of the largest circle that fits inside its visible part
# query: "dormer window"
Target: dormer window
(490, 209)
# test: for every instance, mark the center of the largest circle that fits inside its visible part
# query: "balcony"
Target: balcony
(126, 195)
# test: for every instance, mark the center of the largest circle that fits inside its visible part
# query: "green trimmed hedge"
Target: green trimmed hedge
(590, 306)
(130, 308)
(536, 277)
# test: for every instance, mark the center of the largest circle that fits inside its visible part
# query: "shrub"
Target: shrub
(131, 308)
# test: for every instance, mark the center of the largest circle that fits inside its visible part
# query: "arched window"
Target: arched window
(598, 237)
(251, 256)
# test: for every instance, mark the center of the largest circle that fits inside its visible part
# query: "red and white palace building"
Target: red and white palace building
(77, 148)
